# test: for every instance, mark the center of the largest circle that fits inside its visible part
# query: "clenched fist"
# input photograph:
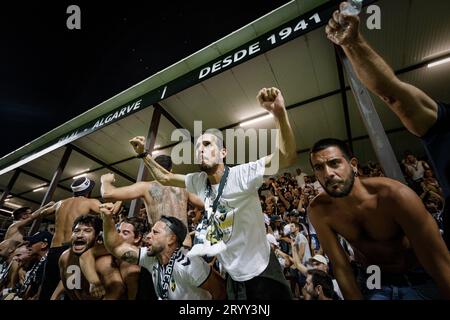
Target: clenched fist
(272, 100)
(138, 144)
(342, 29)
(108, 178)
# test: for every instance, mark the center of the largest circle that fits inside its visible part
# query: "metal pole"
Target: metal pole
(9, 187)
(378, 137)
(52, 187)
(348, 127)
(135, 205)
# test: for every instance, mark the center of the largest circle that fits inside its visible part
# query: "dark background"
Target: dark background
(50, 74)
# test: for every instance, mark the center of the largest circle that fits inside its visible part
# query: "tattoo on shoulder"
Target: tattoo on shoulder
(130, 257)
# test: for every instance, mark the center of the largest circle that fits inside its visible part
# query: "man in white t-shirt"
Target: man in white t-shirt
(301, 244)
(175, 276)
(300, 177)
(233, 229)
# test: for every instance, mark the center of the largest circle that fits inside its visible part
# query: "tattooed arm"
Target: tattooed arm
(113, 242)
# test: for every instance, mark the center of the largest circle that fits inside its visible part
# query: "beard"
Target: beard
(154, 250)
(208, 168)
(347, 186)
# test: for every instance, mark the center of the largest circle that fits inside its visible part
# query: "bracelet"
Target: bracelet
(142, 155)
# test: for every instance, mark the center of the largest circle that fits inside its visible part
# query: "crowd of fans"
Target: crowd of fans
(284, 201)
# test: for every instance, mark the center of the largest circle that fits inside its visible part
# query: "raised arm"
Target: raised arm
(423, 233)
(416, 110)
(112, 241)
(331, 246)
(39, 213)
(160, 174)
(111, 192)
(286, 153)
(298, 262)
(280, 195)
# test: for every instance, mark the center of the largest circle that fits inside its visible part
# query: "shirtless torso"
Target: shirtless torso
(386, 224)
(66, 211)
(107, 270)
(163, 200)
(370, 226)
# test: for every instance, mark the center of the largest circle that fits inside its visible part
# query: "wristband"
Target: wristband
(142, 155)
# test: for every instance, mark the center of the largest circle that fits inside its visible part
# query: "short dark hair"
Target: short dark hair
(323, 279)
(331, 142)
(177, 227)
(18, 213)
(164, 161)
(140, 225)
(89, 220)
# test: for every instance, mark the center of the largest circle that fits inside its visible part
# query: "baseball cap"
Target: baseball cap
(43, 236)
(275, 218)
(319, 258)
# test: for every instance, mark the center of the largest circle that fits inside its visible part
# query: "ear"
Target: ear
(354, 164)
(319, 289)
(137, 240)
(223, 153)
(172, 239)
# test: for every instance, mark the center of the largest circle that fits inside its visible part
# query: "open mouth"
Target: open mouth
(79, 245)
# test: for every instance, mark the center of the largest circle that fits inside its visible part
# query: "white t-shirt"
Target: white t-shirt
(337, 289)
(417, 170)
(317, 186)
(299, 239)
(287, 229)
(187, 276)
(301, 179)
(240, 218)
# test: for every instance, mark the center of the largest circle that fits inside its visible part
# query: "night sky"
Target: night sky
(50, 74)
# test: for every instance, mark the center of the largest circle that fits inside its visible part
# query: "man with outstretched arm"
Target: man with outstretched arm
(175, 276)
(22, 218)
(233, 226)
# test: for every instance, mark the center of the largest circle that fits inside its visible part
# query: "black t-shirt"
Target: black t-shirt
(437, 145)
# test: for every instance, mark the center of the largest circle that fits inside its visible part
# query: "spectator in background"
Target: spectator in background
(319, 285)
(415, 170)
(300, 178)
(430, 183)
(23, 217)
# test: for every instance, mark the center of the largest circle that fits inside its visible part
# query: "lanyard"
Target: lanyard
(164, 277)
(223, 181)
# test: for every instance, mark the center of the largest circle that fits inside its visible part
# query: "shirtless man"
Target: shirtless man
(66, 211)
(131, 230)
(158, 199)
(86, 230)
(420, 114)
(385, 222)
(23, 217)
